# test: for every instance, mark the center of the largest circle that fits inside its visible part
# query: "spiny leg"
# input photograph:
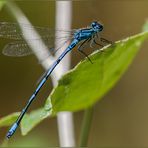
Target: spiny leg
(102, 40)
(86, 56)
(105, 41)
(97, 43)
(82, 46)
(94, 40)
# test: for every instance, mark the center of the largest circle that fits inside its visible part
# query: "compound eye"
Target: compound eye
(93, 24)
(100, 26)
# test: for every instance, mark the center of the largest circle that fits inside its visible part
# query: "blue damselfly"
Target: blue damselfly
(81, 37)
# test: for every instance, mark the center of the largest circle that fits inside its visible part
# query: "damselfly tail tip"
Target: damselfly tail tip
(12, 130)
(9, 134)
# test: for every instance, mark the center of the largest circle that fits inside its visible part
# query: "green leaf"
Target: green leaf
(8, 120)
(87, 83)
(34, 118)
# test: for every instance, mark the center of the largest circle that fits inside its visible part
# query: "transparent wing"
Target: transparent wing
(12, 31)
(20, 47)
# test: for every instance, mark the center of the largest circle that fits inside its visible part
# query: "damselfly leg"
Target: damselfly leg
(81, 47)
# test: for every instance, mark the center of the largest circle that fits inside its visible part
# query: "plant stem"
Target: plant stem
(86, 125)
(64, 119)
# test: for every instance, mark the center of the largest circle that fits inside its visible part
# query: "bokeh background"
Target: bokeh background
(121, 117)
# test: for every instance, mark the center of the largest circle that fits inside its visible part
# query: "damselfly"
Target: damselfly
(80, 37)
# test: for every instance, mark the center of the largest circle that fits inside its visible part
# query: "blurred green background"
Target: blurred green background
(120, 118)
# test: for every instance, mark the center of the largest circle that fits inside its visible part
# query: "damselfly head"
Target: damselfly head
(97, 26)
